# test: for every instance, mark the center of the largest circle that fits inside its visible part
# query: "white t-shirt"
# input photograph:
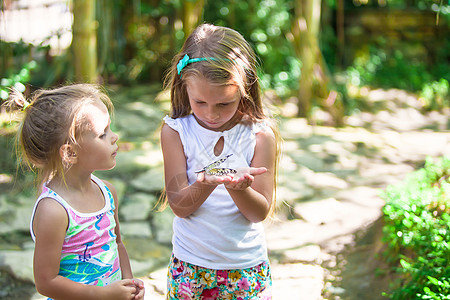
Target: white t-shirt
(217, 235)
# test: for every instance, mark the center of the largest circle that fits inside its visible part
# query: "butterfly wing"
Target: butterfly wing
(213, 164)
(220, 171)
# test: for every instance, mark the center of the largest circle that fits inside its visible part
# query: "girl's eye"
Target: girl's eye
(224, 104)
(103, 135)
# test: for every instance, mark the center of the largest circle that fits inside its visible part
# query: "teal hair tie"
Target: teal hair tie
(186, 60)
(25, 105)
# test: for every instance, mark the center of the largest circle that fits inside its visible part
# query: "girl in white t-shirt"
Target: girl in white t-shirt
(220, 160)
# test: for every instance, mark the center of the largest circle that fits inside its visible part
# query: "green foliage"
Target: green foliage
(137, 41)
(416, 232)
(266, 25)
(436, 95)
(379, 68)
(16, 81)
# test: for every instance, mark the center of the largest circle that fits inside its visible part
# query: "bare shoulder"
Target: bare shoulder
(265, 137)
(170, 141)
(50, 217)
(265, 148)
(50, 208)
(168, 132)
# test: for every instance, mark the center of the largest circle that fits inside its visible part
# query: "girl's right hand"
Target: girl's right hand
(212, 179)
(243, 174)
(124, 289)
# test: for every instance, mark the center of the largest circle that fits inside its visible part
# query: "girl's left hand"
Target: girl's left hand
(139, 284)
(244, 178)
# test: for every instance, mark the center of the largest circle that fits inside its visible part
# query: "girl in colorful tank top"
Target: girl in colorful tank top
(79, 254)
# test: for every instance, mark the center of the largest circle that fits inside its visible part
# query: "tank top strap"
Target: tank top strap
(47, 193)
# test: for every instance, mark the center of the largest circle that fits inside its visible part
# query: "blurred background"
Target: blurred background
(379, 67)
(313, 53)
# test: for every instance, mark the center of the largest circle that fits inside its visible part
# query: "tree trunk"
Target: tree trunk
(305, 30)
(340, 31)
(314, 79)
(192, 12)
(84, 41)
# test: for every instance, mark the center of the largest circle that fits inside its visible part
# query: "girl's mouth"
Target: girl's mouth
(211, 123)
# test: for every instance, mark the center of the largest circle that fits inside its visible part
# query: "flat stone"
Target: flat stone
(327, 180)
(133, 229)
(305, 254)
(135, 160)
(362, 195)
(308, 160)
(132, 124)
(162, 224)
(140, 268)
(288, 234)
(320, 211)
(150, 181)
(18, 263)
(297, 282)
(137, 207)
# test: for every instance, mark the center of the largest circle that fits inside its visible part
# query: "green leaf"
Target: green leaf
(405, 264)
(434, 280)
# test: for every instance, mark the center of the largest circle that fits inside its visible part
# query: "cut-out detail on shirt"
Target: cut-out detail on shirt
(219, 145)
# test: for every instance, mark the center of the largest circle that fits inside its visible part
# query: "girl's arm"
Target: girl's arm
(184, 199)
(253, 194)
(49, 225)
(125, 266)
(124, 259)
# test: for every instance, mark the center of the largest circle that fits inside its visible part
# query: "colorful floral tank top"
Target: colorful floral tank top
(89, 253)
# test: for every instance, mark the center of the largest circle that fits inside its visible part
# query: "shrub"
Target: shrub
(416, 232)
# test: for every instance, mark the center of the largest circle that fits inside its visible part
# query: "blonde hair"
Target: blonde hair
(225, 58)
(51, 119)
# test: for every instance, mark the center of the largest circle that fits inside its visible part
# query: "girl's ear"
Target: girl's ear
(68, 155)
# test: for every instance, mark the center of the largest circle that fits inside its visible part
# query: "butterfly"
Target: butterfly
(212, 169)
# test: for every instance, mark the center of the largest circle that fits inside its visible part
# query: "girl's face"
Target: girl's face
(214, 106)
(97, 148)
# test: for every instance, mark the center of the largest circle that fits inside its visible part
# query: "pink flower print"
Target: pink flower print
(177, 271)
(184, 292)
(244, 284)
(222, 277)
(210, 294)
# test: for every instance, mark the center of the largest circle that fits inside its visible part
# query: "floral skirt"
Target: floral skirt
(187, 281)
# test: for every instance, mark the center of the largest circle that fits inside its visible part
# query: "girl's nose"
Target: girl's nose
(212, 114)
(115, 138)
